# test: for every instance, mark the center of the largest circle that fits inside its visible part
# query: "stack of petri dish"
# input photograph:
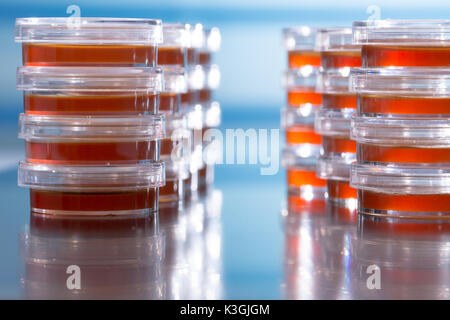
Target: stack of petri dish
(211, 112)
(91, 125)
(302, 145)
(332, 122)
(402, 124)
(187, 49)
(175, 148)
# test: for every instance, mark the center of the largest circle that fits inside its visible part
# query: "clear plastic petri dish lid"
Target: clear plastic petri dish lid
(334, 81)
(422, 82)
(91, 178)
(212, 40)
(175, 80)
(90, 79)
(89, 128)
(299, 38)
(335, 39)
(335, 167)
(332, 122)
(177, 170)
(196, 77)
(84, 30)
(401, 179)
(301, 155)
(432, 133)
(176, 35)
(212, 76)
(212, 115)
(177, 126)
(402, 32)
(197, 35)
(303, 77)
(291, 116)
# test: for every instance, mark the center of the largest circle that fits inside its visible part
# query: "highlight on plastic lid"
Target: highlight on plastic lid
(304, 77)
(430, 82)
(72, 128)
(212, 40)
(83, 30)
(197, 36)
(335, 167)
(91, 178)
(89, 79)
(175, 80)
(401, 179)
(334, 80)
(335, 39)
(212, 115)
(402, 32)
(176, 35)
(299, 38)
(302, 155)
(177, 170)
(196, 77)
(176, 122)
(303, 115)
(212, 74)
(330, 122)
(433, 132)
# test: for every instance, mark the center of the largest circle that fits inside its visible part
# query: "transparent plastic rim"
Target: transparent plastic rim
(196, 77)
(401, 179)
(402, 32)
(175, 80)
(427, 82)
(91, 178)
(197, 36)
(334, 80)
(90, 79)
(176, 35)
(212, 116)
(71, 129)
(213, 40)
(299, 38)
(212, 74)
(335, 39)
(331, 122)
(404, 132)
(303, 115)
(177, 170)
(176, 122)
(83, 30)
(305, 76)
(335, 167)
(302, 155)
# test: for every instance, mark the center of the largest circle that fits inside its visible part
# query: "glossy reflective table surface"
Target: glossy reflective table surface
(235, 242)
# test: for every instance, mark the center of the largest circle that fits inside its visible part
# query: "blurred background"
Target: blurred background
(251, 61)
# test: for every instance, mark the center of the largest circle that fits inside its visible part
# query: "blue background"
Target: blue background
(251, 62)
